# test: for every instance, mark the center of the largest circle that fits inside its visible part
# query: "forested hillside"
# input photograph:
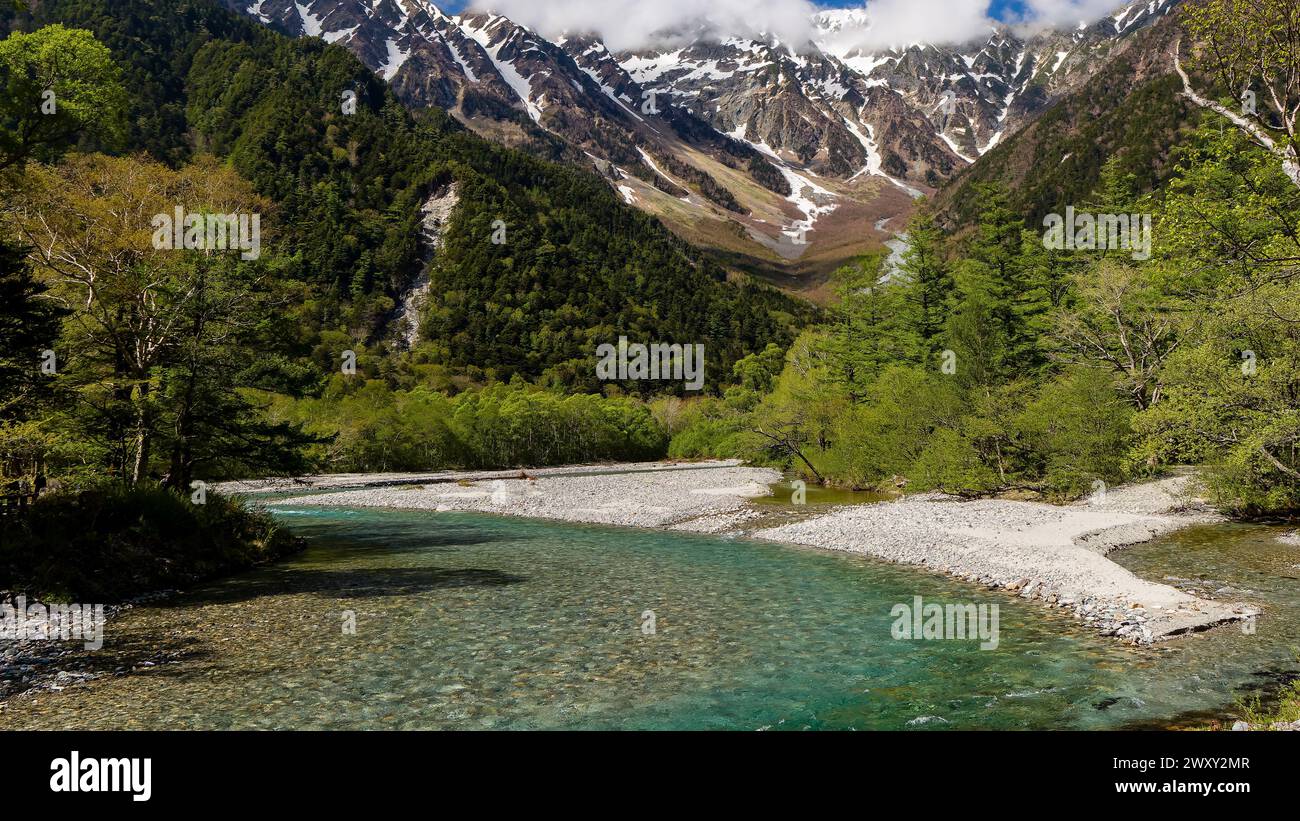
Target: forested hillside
(987, 362)
(576, 268)
(139, 363)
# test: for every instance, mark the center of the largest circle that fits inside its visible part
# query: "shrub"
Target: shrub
(108, 543)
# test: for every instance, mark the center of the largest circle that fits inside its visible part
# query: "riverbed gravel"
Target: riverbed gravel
(1049, 553)
(654, 495)
(1054, 554)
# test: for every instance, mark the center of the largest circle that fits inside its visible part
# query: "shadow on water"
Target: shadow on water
(131, 652)
(146, 651)
(423, 543)
(354, 583)
(1267, 685)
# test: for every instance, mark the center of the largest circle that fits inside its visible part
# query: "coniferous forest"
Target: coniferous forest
(1066, 368)
(980, 363)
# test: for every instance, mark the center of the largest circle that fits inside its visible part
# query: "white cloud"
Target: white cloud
(631, 24)
(1067, 12)
(902, 22)
(625, 24)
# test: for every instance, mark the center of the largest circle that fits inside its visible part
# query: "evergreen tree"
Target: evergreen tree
(869, 331)
(1004, 303)
(927, 286)
(29, 326)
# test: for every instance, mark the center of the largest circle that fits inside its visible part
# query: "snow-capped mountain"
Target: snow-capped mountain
(996, 85)
(765, 139)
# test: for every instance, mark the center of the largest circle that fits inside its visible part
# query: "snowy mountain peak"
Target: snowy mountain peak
(813, 125)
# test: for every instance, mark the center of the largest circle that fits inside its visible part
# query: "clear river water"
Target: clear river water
(471, 621)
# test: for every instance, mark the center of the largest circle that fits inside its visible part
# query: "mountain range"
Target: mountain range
(785, 159)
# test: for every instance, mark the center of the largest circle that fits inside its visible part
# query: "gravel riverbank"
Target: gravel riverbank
(643, 495)
(1053, 554)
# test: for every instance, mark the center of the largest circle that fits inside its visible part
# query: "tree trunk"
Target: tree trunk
(142, 438)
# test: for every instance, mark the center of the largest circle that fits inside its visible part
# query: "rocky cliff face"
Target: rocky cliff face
(931, 108)
(976, 94)
(435, 214)
(720, 136)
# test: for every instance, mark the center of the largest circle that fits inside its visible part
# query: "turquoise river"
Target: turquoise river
(470, 621)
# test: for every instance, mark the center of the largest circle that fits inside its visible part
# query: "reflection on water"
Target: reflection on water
(816, 496)
(473, 621)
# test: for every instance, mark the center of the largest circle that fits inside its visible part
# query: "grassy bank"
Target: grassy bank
(108, 543)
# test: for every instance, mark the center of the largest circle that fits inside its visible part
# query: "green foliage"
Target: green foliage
(577, 270)
(160, 343)
(153, 43)
(951, 463)
(1079, 430)
(57, 86)
(928, 291)
(754, 376)
(29, 324)
(1232, 388)
(711, 432)
(347, 187)
(879, 442)
(106, 543)
(369, 427)
(999, 306)
(868, 326)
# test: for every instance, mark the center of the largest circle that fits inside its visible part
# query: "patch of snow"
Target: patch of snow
(517, 82)
(956, 149)
(335, 36)
(312, 25)
(609, 92)
(456, 55)
(396, 57)
(805, 203)
(650, 162)
(874, 165)
(255, 9)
